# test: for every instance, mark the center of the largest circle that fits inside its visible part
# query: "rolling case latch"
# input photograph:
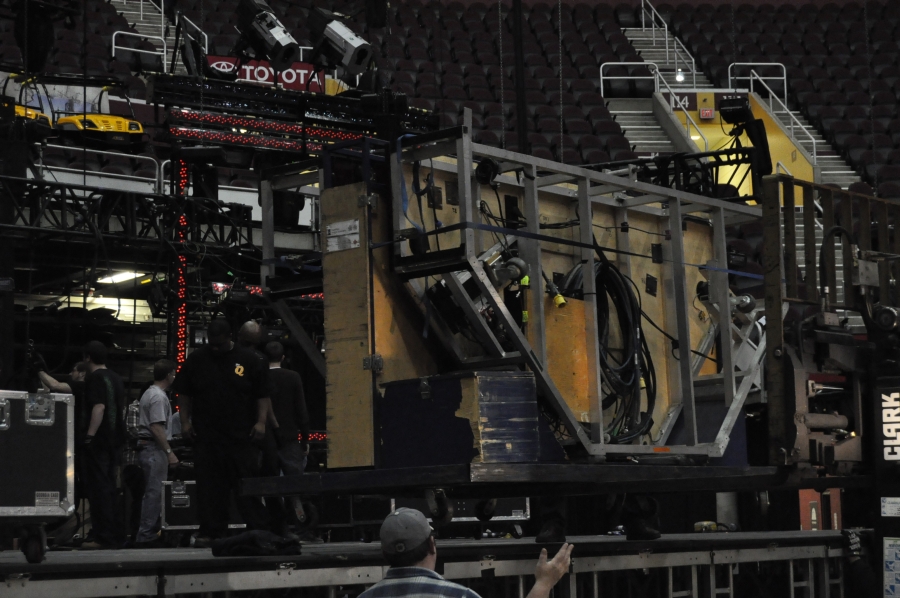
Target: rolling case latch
(180, 498)
(39, 410)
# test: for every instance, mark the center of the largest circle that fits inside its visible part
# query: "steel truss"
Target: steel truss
(593, 188)
(138, 218)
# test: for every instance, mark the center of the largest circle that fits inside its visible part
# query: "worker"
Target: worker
(292, 417)
(155, 454)
(250, 336)
(223, 402)
(105, 396)
(407, 543)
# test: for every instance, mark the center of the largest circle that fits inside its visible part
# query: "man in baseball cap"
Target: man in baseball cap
(407, 543)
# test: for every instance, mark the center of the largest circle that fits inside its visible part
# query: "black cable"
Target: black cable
(632, 374)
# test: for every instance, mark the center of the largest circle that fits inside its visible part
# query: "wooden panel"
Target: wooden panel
(398, 320)
(348, 388)
(567, 354)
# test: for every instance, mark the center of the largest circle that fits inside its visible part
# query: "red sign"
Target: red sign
(297, 77)
(707, 113)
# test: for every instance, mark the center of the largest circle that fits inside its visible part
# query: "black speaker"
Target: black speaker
(735, 111)
(756, 132)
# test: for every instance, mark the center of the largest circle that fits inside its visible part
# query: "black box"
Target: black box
(465, 417)
(37, 460)
(179, 507)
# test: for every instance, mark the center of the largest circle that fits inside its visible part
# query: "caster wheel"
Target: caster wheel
(439, 506)
(485, 509)
(517, 531)
(33, 547)
(478, 533)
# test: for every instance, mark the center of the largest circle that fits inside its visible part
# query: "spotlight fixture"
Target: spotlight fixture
(262, 32)
(486, 171)
(337, 43)
(679, 76)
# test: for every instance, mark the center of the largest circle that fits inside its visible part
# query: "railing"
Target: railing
(153, 161)
(679, 50)
(651, 76)
(160, 53)
(782, 78)
(688, 119)
(780, 168)
(161, 37)
(793, 119)
(180, 18)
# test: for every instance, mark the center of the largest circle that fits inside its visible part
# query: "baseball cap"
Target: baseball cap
(404, 529)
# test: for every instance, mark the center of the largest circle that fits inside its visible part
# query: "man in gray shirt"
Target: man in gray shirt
(155, 454)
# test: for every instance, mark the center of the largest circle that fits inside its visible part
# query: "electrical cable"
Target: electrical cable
(629, 376)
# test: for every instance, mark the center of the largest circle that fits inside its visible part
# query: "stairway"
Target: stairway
(833, 168)
(655, 52)
(641, 128)
(151, 24)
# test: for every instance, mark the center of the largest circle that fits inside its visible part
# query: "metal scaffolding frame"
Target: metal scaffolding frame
(593, 189)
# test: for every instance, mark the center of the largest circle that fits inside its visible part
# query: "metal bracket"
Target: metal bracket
(40, 410)
(374, 362)
(5, 411)
(367, 200)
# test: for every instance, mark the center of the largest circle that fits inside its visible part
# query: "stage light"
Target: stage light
(262, 31)
(679, 76)
(337, 43)
(486, 171)
(119, 277)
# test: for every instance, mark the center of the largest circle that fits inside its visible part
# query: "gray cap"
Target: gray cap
(404, 529)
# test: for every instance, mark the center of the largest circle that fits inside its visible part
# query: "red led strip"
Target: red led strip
(255, 124)
(314, 437)
(181, 275)
(239, 139)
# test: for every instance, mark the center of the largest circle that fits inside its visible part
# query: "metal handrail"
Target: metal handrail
(648, 9)
(784, 169)
(653, 26)
(794, 119)
(689, 55)
(180, 17)
(156, 164)
(689, 120)
(782, 78)
(641, 77)
(161, 53)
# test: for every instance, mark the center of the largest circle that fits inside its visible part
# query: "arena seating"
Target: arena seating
(842, 70)
(87, 48)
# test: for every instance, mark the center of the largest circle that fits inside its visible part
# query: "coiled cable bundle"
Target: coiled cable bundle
(625, 376)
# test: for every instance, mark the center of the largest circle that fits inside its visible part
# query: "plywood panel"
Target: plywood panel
(399, 323)
(348, 388)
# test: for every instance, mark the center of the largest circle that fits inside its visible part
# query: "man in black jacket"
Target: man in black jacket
(292, 431)
(105, 394)
(224, 402)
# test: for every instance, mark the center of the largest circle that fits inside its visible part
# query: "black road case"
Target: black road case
(37, 464)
